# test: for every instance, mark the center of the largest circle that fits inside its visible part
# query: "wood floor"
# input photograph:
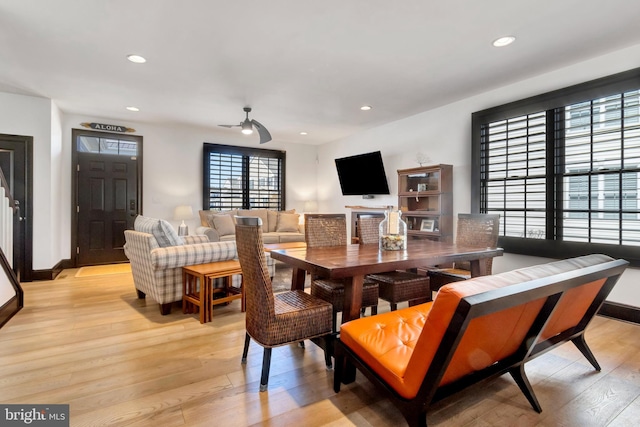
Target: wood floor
(89, 342)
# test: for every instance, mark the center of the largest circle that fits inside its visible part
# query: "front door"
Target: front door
(107, 194)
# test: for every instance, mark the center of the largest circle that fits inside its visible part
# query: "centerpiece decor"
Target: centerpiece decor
(393, 232)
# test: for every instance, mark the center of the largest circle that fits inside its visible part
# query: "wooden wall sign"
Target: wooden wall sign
(108, 128)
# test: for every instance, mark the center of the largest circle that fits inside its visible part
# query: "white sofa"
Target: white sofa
(277, 226)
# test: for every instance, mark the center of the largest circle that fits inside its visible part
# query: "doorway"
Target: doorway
(16, 161)
(107, 188)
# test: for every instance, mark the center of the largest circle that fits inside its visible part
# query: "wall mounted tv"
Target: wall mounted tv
(362, 175)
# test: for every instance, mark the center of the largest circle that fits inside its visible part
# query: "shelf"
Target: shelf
(426, 193)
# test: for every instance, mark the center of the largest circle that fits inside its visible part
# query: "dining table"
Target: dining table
(352, 262)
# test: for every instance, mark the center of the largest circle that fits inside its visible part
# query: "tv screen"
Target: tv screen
(362, 175)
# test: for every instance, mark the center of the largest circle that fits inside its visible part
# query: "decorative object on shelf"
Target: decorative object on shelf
(422, 158)
(393, 231)
(422, 187)
(181, 213)
(427, 225)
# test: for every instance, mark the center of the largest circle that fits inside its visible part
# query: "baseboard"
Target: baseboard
(52, 273)
(620, 311)
(8, 310)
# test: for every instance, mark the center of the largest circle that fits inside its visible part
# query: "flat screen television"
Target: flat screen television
(362, 175)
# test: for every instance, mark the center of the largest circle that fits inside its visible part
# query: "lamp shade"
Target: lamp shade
(310, 206)
(180, 213)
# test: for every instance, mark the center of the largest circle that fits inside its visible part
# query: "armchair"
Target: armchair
(157, 261)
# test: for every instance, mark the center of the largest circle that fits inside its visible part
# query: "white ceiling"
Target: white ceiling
(303, 65)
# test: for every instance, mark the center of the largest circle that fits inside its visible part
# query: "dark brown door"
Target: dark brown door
(107, 205)
(107, 194)
(16, 160)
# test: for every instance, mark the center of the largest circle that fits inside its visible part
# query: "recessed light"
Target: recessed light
(303, 133)
(137, 59)
(504, 41)
(365, 107)
(133, 108)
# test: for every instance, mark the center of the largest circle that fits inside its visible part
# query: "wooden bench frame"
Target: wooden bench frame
(551, 288)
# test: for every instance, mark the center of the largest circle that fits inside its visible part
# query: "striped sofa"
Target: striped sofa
(157, 260)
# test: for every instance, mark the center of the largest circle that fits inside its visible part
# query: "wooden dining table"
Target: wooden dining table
(353, 262)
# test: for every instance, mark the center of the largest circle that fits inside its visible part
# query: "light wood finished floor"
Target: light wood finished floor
(89, 342)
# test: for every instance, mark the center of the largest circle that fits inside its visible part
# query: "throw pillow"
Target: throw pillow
(224, 224)
(288, 222)
(163, 231)
(273, 218)
(205, 215)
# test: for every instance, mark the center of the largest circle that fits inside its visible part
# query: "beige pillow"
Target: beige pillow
(223, 224)
(287, 222)
(273, 218)
(205, 216)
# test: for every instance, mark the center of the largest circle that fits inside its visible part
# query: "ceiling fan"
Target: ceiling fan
(248, 125)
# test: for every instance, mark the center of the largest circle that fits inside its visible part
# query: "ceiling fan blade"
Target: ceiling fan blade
(265, 136)
(229, 126)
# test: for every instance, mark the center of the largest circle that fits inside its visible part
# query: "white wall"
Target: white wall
(172, 166)
(32, 116)
(444, 134)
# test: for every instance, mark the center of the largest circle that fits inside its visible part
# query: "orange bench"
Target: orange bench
(474, 330)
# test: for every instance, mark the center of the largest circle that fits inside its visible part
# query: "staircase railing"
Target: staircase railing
(11, 294)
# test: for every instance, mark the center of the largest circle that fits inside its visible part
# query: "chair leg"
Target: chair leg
(521, 379)
(335, 321)
(266, 365)
(586, 351)
(394, 306)
(247, 339)
(374, 310)
(165, 309)
(337, 373)
(328, 350)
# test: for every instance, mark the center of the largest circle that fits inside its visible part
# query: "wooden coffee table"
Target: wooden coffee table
(268, 247)
(201, 298)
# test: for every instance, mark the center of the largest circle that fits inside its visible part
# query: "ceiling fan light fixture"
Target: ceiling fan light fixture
(247, 129)
(247, 126)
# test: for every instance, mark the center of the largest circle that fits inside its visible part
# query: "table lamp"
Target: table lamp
(181, 213)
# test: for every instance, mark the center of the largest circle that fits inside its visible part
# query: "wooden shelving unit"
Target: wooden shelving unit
(425, 197)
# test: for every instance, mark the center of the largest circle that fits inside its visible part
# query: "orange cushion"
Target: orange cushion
(571, 309)
(387, 342)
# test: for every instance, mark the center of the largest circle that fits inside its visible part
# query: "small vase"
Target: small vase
(393, 232)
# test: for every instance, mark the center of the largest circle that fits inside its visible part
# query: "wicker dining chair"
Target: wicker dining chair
(331, 230)
(275, 320)
(472, 230)
(395, 286)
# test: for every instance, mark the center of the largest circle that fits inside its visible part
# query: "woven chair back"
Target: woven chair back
(256, 281)
(478, 230)
(369, 229)
(325, 230)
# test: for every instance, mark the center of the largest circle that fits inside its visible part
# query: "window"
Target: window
(243, 178)
(109, 145)
(562, 170)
